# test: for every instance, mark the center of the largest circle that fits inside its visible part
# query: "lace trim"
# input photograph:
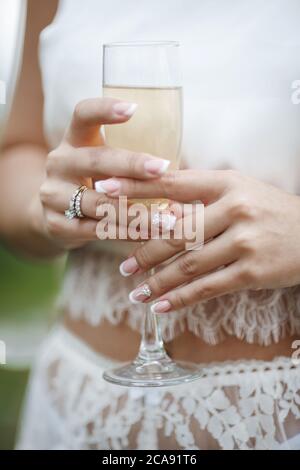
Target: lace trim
(244, 405)
(93, 289)
(87, 357)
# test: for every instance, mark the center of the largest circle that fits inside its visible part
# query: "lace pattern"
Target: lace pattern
(93, 281)
(240, 405)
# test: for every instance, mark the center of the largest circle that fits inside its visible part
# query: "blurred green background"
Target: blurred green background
(27, 289)
(27, 294)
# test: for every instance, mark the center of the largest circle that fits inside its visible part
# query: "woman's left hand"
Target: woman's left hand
(252, 231)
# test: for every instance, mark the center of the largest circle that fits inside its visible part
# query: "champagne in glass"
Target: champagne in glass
(158, 114)
(148, 73)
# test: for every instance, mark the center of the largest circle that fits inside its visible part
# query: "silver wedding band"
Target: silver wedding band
(74, 210)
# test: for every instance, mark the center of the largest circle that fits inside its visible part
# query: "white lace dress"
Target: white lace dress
(239, 62)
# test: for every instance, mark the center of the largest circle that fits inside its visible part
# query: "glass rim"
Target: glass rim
(142, 43)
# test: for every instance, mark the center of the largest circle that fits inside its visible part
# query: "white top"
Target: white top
(233, 405)
(239, 60)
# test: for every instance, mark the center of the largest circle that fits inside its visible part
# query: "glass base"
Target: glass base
(162, 373)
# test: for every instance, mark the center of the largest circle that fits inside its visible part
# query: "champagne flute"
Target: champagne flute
(148, 74)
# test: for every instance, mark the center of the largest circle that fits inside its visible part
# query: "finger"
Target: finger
(224, 281)
(102, 161)
(133, 222)
(181, 185)
(90, 114)
(56, 195)
(215, 254)
(73, 230)
(155, 252)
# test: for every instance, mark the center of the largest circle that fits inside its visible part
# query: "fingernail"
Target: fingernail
(161, 306)
(166, 221)
(156, 166)
(107, 186)
(129, 266)
(124, 109)
(140, 294)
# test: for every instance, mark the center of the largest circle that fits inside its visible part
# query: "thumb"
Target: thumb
(90, 114)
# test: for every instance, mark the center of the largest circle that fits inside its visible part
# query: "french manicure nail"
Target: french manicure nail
(124, 108)
(140, 294)
(107, 186)
(161, 307)
(157, 166)
(129, 266)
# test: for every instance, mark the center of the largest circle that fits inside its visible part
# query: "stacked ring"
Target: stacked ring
(74, 209)
(78, 199)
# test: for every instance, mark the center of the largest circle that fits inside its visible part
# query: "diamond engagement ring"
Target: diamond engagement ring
(74, 209)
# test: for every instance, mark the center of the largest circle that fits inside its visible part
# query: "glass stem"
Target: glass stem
(152, 345)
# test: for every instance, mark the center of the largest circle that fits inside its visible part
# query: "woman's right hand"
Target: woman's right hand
(81, 158)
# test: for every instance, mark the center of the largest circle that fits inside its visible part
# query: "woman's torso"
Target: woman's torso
(239, 61)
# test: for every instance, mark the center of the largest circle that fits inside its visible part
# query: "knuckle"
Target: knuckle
(203, 291)
(93, 206)
(79, 110)
(133, 164)
(144, 257)
(99, 200)
(241, 207)
(249, 274)
(169, 182)
(179, 300)
(45, 193)
(131, 187)
(243, 241)
(176, 244)
(53, 160)
(94, 156)
(157, 284)
(188, 265)
(54, 227)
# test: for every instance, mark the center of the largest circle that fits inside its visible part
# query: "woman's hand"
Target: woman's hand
(80, 159)
(252, 231)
